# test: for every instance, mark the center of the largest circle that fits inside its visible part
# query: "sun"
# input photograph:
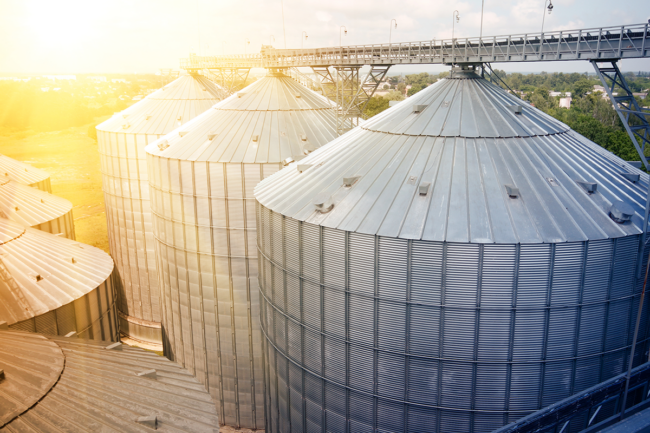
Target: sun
(61, 24)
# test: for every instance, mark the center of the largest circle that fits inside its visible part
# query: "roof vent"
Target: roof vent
(308, 148)
(298, 95)
(151, 374)
(590, 187)
(303, 167)
(256, 138)
(635, 164)
(349, 181)
(423, 189)
(125, 116)
(148, 117)
(204, 89)
(38, 277)
(240, 94)
(42, 201)
(179, 117)
(72, 260)
(3, 325)
(620, 212)
(126, 126)
(150, 421)
(182, 133)
(114, 346)
(303, 137)
(513, 191)
(163, 145)
(323, 202)
(70, 334)
(17, 209)
(287, 161)
(419, 108)
(633, 177)
(211, 136)
(2, 374)
(517, 109)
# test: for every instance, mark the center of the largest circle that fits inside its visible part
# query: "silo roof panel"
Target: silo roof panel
(264, 123)
(465, 108)
(464, 177)
(21, 172)
(99, 383)
(45, 271)
(32, 365)
(29, 206)
(167, 108)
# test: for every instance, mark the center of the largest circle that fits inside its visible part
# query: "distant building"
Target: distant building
(98, 79)
(565, 102)
(554, 94)
(599, 89)
(118, 80)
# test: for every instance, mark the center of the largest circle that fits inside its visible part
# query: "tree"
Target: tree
(580, 88)
(401, 87)
(415, 89)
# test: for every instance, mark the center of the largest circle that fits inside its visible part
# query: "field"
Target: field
(72, 159)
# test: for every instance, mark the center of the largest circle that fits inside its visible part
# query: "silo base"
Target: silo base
(140, 333)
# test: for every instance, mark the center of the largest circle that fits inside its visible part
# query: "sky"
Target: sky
(126, 36)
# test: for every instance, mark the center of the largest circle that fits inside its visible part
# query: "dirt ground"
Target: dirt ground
(72, 159)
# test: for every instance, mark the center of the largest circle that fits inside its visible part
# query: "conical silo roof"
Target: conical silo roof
(104, 386)
(462, 161)
(40, 272)
(35, 208)
(24, 173)
(167, 108)
(273, 119)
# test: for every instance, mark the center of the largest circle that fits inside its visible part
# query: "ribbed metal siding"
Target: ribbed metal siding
(93, 316)
(397, 335)
(204, 222)
(130, 233)
(63, 225)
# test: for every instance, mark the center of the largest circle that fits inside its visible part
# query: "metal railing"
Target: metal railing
(626, 41)
(590, 410)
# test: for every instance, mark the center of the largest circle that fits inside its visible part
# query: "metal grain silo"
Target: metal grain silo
(53, 285)
(457, 262)
(57, 384)
(35, 208)
(202, 178)
(24, 173)
(121, 141)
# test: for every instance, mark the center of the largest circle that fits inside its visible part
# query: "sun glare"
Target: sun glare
(61, 25)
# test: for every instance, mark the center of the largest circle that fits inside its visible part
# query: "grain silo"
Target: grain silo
(25, 173)
(53, 285)
(457, 262)
(32, 207)
(121, 141)
(57, 384)
(202, 178)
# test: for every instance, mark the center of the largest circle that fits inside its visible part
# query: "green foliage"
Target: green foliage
(415, 89)
(377, 104)
(581, 87)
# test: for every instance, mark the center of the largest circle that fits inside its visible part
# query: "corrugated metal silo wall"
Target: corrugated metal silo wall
(93, 316)
(130, 233)
(204, 223)
(62, 225)
(368, 333)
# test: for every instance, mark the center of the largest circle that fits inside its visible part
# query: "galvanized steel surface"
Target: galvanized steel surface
(54, 285)
(24, 173)
(32, 365)
(431, 297)
(465, 147)
(121, 141)
(204, 223)
(35, 208)
(103, 389)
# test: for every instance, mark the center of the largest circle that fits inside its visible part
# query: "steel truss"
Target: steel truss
(633, 117)
(230, 79)
(350, 92)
